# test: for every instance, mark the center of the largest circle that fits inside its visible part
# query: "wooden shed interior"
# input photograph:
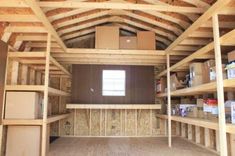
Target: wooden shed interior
(117, 77)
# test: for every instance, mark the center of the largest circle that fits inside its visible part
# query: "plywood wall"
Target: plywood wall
(111, 123)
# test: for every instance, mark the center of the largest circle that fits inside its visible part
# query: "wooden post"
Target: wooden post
(217, 141)
(190, 133)
(207, 137)
(3, 105)
(178, 128)
(232, 144)
(220, 87)
(168, 99)
(45, 101)
(183, 130)
(198, 134)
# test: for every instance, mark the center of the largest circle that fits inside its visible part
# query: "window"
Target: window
(114, 83)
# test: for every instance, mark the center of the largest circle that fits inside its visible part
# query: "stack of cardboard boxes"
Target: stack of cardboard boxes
(108, 37)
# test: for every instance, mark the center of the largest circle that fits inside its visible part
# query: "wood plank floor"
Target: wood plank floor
(125, 147)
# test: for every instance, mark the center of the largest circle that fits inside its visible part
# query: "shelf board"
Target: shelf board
(37, 88)
(113, 106)
(34, 122)
(55, 118)
(230, 128)
(37, 61)
(229, 84)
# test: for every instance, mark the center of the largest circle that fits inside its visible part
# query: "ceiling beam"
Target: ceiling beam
(106, 5)
(18, 18)
(42, 17)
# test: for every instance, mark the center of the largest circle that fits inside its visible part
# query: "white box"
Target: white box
(233, 112)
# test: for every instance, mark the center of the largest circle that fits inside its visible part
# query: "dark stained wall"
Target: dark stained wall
(139, 85)
(3, 58)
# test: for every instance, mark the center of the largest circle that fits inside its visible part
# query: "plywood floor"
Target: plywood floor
(124, 147)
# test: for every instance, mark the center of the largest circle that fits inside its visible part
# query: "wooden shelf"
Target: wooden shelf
(230, 128)
(36, 88)
(35, 122)
(113, 106)
(229, 84)
(22, 122)
(55, 118)
(226, 39)
(37, 60)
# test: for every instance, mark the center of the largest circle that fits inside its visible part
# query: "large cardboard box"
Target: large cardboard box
(175, 83)
(196, 74)
(107, 37)
(23, 141)
(146, 40)
(128, 42)
(196, 69)
(161, 85)
(231, 56)
(207, 65)
(23, 105)
(197, 80)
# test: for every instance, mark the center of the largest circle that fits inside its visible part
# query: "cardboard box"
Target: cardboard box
(107, 37)
(200, 102)
(207, 65)
(196, 81)
(196, 74)
(187, 100)
(175, 83)
(23, 141)
(196, 69)
(146, 40)
(233, 112)
(231, 56)
(213, 73)
(128, 42)
(23, 105)
(161, 85)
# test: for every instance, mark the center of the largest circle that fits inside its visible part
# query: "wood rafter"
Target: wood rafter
(40, 14)
(105, 5)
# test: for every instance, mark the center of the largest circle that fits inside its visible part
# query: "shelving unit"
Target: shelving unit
(230, 128)
(229, 85)
(219, 86)
(47, 66)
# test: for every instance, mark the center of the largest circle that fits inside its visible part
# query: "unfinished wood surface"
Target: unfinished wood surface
(219, 86)
(124, 146)
(115, 123)
(39, 88)
(113, 106)
(201, 89)
(230, 128)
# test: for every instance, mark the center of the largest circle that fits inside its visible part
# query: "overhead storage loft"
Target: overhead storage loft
(117, 77)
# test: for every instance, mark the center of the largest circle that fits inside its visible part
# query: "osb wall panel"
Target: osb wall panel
(95, 122)
(115, 123)
(130, 124)
(67, 126)
(82, 122)
(144, 126)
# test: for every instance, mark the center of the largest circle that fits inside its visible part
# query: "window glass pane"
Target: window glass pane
(114, 83)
